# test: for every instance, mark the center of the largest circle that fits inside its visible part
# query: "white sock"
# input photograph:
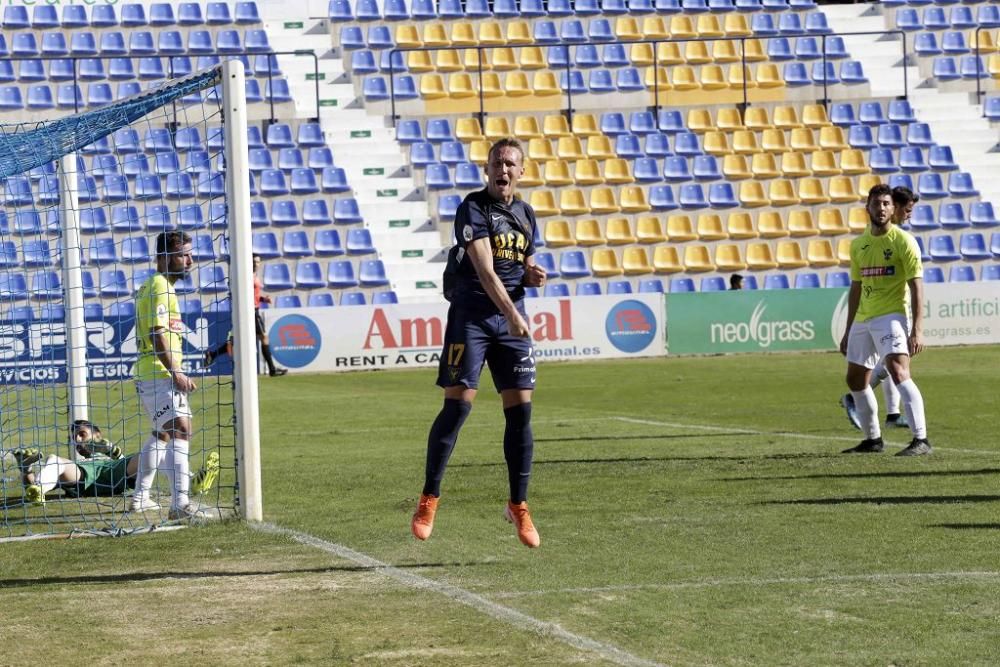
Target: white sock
(879, 373)
(867, 407)
(913, 401)
(891, 394)
(48, 476)
(182, 472)
(149, 460)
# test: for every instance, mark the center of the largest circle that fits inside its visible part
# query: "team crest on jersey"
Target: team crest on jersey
(887, 253)
(467, 233)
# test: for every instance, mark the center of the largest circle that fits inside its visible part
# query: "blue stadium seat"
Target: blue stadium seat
(573, 264)
(359, 242)
(973, 247)
(991, 272)
(260, 159)
(367, 10)
(973, 67)
(651, 285)
(601, 81)
(353, 299)
(712, 284)
(933, 274)
(671, 121)
(962, 274)
(467, 176)
(272, 183)
(706, 168)
(588, 288)
(661, 198)
(277, 276)
(334, 180)
(46, 285)
(165, 163)
(572, 31)
(657, 145)
(345, 211)
(265, 244)
(545, 32)
(320, 158)
(422, 154)
(953, 43)
(646, 170)
(135, 250)
(8, 255)
(408, 131)
(807, 280)
(37, 253)
(438, 177)
(946, 69)
(883, 161)
(838, 279)
(681, 285)
(940, 158)
(228, 41)
(860, 136)
(17, 192)
(309, 275)
(827, 71)
(10, 98)
(816, 24)
(284, 213)
(692, 197)
(722, 196)
(620, 287)
(320, 300)
(806, 48)
(161, 14)
(960, 185)
(613, 123)
(339, 11)
(556, 290)
(796, 74)
(776, 281)
(290, 158)
(340, 273)
(54, 44)
(113, 283)
(43, 17)
(911, 159)
(447, 206)
(951, 215)
(981, 214)
(615, 55)
(189, 13)
(452, 152)
(942, 249)
(31, 70)
(763, 25)
(988, 16)
(327, 243)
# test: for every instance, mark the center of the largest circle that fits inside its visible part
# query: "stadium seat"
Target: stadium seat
(973, 247)
(962, 274)
(942, 249)
(327, 243)
(981, 214)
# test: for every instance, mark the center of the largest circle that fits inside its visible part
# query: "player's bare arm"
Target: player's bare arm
(482, 260)
(161, 347)
(916, 340)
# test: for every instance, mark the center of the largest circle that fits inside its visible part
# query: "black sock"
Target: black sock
(266, 351)
(892, 417)
(518, 449)
(441, 441)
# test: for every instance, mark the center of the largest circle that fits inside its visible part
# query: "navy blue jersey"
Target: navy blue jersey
(510, 230)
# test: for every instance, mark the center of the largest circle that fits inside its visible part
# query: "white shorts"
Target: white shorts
(877, 338)
(162, 401)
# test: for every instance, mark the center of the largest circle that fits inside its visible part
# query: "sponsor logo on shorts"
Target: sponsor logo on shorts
(630, 326)
(894, 340)
(295, 341)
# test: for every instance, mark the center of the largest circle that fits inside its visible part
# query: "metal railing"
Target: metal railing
(980, 93)
(568, 89)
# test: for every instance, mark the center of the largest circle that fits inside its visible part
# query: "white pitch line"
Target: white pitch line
(755, 582)
(460, 595)
(779, 434)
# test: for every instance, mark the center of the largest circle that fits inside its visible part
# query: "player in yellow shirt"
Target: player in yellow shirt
(885, 267)
(160, 380)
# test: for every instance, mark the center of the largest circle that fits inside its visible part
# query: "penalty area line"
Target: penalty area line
(462, 596)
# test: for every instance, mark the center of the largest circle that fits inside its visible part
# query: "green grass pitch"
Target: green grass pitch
(693, 511)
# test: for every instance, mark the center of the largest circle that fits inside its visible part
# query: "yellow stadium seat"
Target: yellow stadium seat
(585, 125)
(757, 119)
(587, 172)
(665, 259)
(470, 59)
(754, 53)
(984, 43)
(716, 143)
(526, 127)
(728, 257)
(557, 173)
(641, 55)
(993, 66)
(463, 34)
(635, 261)
(602, 201)
(519, 32)
(781, 192)
(740, 76)
(736, 26)
(789, 255)
(725, 51)
(633, 199)
(491, 34)
(649, 229)
(708, 26)
(532, 176)
(773, 141)
(604, 263)
(728, 119)
(504, 59)
(697, 259)
(811, 192)
(569, 149)
(448, 61)
(814, 116)
(786, 118)
(619, 232)
(468, 130)
(800, 223)
(419, 62)
(479, 153)
(764, 166)
(831, 222)
(460, 86)
(600, 148)
(710, 227)
(682, 78)
(831, 138)
(793, 165)
(557, 234)
(545, 84)
(657, 79)
(770, 225)
(857, 219)
(588, 232)
(490, 85)
(626, 29)
(866, 182)
(844, 252)
(668, 53)
(681, 27)
(544, 203)
(752, 194)
(555, 125)
(769, 76)
(618, 172)
(713, 78)
(745, 142)
(734, 168)
(696, 53)
(820, 254)
(802, 139)
(515, 84)
(760, 257)
(842, 190)
(823, 163)
(680, 228)
(531, 57)
(540, 150)
(700, 121)
(435, 35)
(432, 87)
(573, 202)
(654, 28)
(497, 127)
(740, 226)
(852, 162)
(407, 37)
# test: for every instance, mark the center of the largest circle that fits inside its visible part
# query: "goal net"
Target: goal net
(84, 198)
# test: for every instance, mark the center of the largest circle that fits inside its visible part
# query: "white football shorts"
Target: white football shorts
(162, 401)
(877, 338)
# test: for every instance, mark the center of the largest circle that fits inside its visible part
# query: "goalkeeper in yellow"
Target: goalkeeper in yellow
(160, 381)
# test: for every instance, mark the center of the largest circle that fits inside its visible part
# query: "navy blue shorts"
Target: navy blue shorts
(472, 339)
